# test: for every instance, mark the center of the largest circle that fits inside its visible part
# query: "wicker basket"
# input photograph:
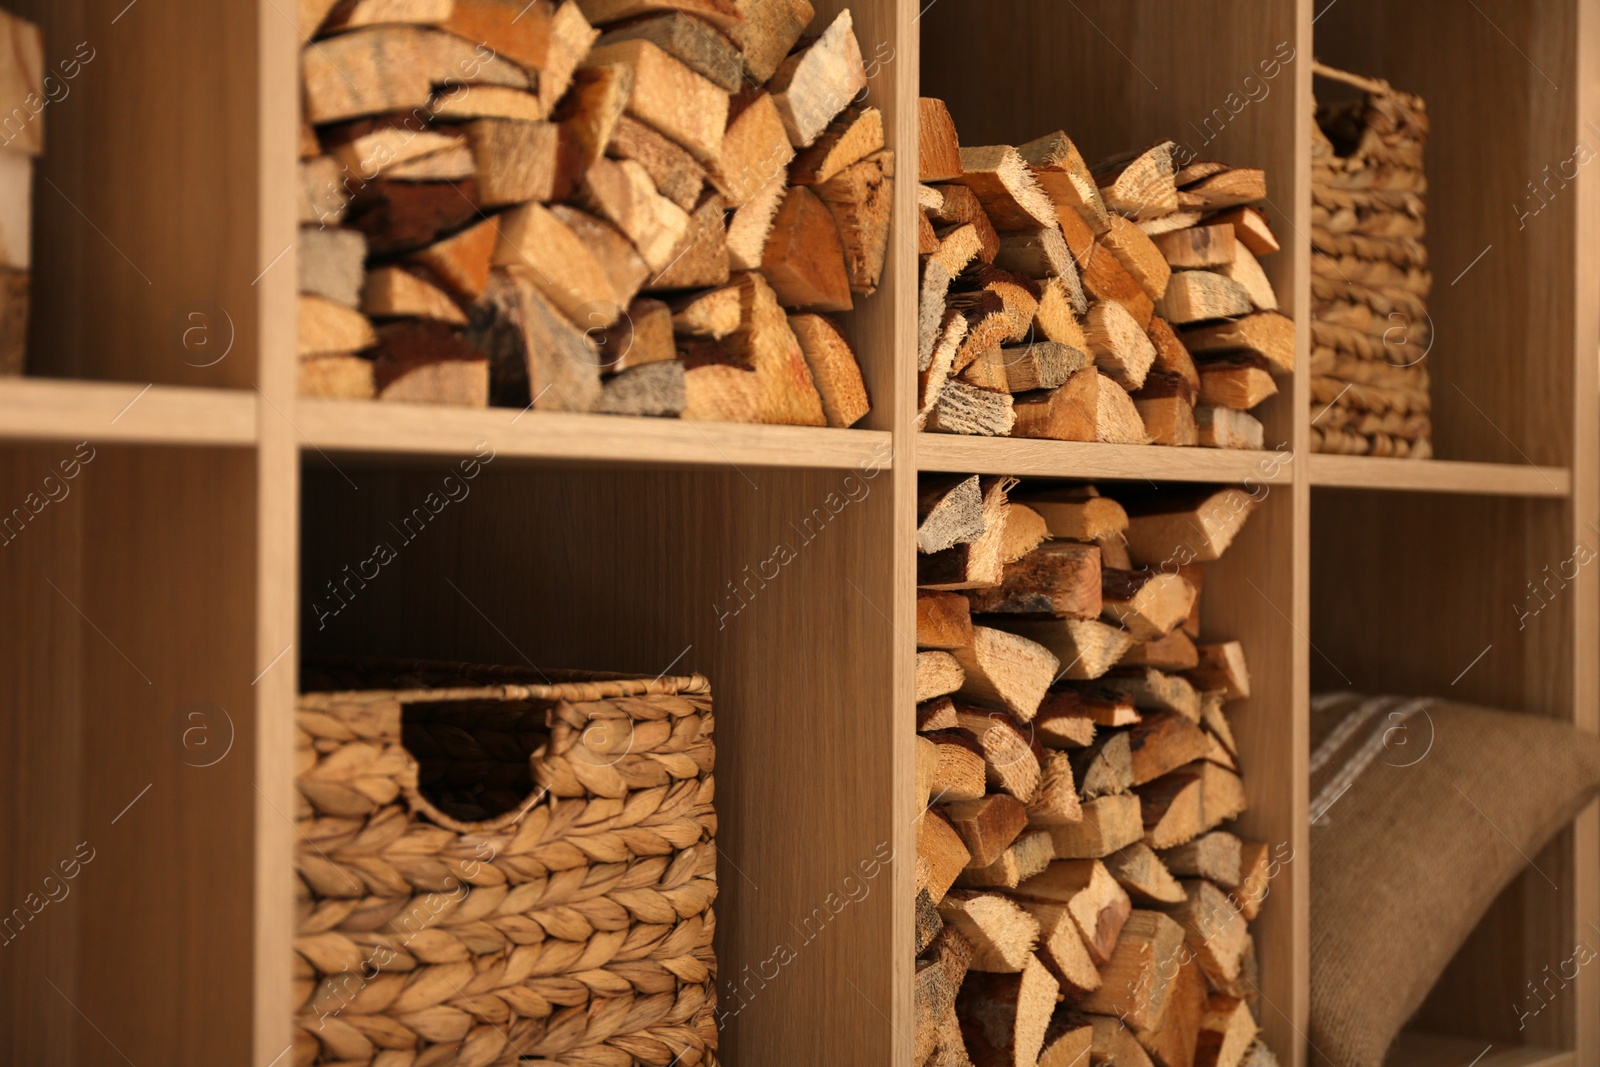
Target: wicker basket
(504, 863)
(1369, 274)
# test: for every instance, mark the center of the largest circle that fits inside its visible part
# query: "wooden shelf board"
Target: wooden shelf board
(1416, 1049)
(1440, 476)
(1069, 459)
(43, 409)
(368, 428)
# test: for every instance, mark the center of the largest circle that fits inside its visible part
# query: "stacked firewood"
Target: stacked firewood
(1077, 895)
(646, 207)
(1121, 303)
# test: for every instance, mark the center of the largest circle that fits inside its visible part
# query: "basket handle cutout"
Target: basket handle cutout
(474, 762)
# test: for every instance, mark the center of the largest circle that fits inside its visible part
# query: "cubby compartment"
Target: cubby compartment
(769, 582)
(128, 667)
(146, 249)
(1474, 599)
(1506, 86)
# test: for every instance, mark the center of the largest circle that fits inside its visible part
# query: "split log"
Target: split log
(1038, 253)
(339, 377)
(1245, 269)
(1250, 229)
(379, 69)
(1061, 300)
(1228, 188)
(326, 327)
(1238, 383)
(1255, 879)
(751, 226)
(1060, 578)
(966, 409)
(1215, 720)
(588, 274)
(1172, 1041)
(1216, 857)
(1175, 652)
(1227, 1030)
(950, 512)
(755, 149)
(1001, 933)
(1041, 365)
(1114, 1044)
(1024, 531)
(1105, 768)
(1007, 189)
(1268, 335)
(461, 263)
(767, 33)
(1198, 247)
(587, 117)
(1065, 177)
(1172, 808)
(940, 855)
(1142, 874)
(643, 335)
(1006, 670)
(1195, 575)
(1063, 721)
(1004, 1017)
(1068, 1042)
(1139, 255)
(721, 392)
(861, 198)
(704, 256)
(395, 292)
(977, 563)
(1019, 297)
(853, 135)
(1141, 184)
(988, 826)
(1200, 296)
(1086, 648)
(1137, 980)
(1118, 344)
(1178, 220)
(670, 97)
(1114, 552)
(687, 39)
(1068, 412)
(1168, 420)
(1148, 604)
(710, 315)
(1224, 793)
(834, 369)
(804, 256)
(1093, 898)
(1183, 528)
(1117, 420)
(959, 774)
(1026, 857)
(1101, 706)
(1109, 823)
(656, 390)
(623, 194)
(959, 206)
(1226, 428)
(678, 176)
(1061, 949)
(420, 362)
(1172, 359)
(1162, 742)
(1056, 803)
(765, 343)
(814, 84)
(1153, 690)
(1222, 668)
(332, 264)
(932, 997)
(487, 102)
(1213, 929)
(1010, 762)
(938, 674)
(1078, 514)
(939, 149)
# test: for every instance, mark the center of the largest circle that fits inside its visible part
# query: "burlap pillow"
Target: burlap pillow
(1422, 812)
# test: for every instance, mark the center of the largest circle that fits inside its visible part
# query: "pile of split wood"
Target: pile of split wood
(492, 187)
(1121, 303)
(1076, 894)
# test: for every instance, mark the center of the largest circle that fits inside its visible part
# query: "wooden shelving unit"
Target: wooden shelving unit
(179, 582)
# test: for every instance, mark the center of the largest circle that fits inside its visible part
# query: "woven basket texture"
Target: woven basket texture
(502, 865)
(1370, 331)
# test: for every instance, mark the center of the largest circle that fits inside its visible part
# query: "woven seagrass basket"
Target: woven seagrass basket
(503, 864)
(1369, 274)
